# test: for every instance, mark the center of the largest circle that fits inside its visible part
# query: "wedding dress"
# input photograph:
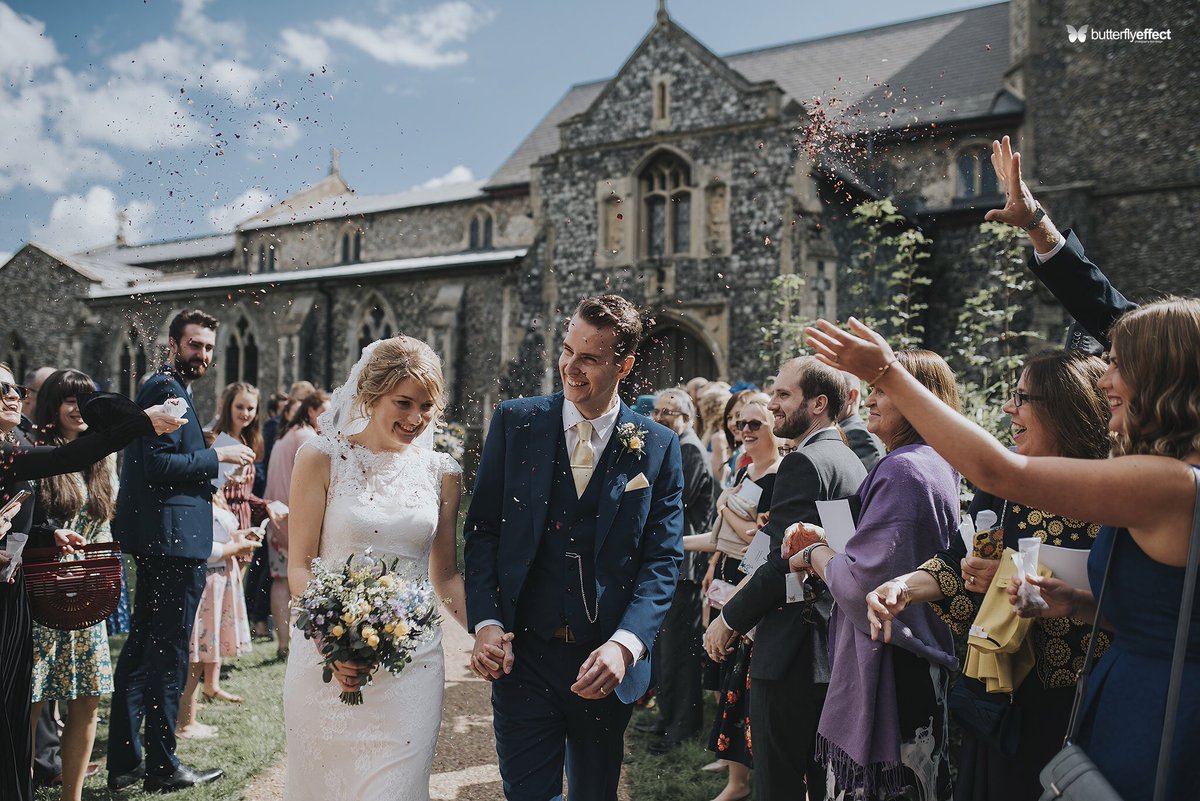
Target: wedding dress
(383, 749)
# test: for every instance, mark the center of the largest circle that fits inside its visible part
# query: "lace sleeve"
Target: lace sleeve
(447, 466)
(329, 446)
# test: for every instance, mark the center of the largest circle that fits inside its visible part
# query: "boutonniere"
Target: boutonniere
(633, 439)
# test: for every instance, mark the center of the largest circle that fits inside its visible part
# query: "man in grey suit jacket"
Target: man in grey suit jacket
(790, 666)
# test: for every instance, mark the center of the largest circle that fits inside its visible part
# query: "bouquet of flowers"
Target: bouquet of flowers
(364, 612)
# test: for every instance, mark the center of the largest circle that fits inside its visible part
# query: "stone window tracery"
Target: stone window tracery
(350, 246)
(975, 176)
(666, 189)
(241, 354)
(376, 322)
(479, 231)
(132, 362)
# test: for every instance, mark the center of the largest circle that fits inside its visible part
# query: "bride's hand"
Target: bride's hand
(351, 675)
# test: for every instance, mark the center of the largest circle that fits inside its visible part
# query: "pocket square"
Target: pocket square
(638, 482)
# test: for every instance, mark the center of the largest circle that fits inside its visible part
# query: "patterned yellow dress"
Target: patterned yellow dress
(74, 664)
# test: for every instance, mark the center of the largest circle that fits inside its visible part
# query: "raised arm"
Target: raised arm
(1061, 264)
(1149, 495)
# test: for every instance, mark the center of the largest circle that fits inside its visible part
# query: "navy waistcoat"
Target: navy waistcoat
(551, 595)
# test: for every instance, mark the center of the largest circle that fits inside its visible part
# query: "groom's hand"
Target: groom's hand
(492, 656)
(603, 671)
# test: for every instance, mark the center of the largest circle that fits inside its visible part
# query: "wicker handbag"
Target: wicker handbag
(72, 594)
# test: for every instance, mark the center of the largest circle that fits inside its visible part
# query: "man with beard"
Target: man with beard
(790, 670)
(164, 518)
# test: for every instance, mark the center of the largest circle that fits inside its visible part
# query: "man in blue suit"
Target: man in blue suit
(164, 518)
(573, 544)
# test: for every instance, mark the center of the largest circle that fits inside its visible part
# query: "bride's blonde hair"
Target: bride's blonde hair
(393, 361)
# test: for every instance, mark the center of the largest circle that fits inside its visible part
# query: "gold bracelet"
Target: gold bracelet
(905, 593)
(883, 371)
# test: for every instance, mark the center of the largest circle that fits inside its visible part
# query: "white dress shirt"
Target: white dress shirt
(602, 429)
(1042, 258)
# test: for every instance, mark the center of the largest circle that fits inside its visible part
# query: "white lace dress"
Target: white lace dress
(383, 749)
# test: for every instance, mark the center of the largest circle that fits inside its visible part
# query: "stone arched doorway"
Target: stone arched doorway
(668, 356)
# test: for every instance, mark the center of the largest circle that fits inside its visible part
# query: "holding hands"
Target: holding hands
(492, 656)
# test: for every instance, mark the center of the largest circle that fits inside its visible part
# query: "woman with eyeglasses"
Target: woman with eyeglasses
(1056, 410)
(731, 737)
(114, 422)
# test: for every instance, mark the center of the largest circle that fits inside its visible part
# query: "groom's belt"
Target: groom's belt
(563, 633)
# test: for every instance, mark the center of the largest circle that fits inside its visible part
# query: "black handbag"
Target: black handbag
(992, 717)
(1072, 775)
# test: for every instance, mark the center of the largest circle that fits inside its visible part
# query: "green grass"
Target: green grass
(676, 775)
(251, 737)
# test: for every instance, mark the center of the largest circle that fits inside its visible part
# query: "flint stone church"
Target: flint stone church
(682, 183)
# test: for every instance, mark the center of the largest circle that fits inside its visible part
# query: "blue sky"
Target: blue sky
(193, 114)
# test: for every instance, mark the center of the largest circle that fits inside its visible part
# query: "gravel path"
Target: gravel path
(464, 766)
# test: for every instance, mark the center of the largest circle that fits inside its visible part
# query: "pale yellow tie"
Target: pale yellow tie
(583, 458)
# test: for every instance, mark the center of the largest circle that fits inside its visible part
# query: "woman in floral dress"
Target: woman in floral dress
(72, 667)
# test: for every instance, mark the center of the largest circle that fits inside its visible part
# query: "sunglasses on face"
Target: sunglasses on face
(7, 389)
(752, 425)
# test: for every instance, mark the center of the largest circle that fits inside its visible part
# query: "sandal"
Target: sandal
(221, 695)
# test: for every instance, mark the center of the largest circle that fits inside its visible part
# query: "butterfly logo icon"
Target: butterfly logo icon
(1077, 34)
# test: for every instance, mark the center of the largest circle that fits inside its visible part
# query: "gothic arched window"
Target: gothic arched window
(17, 358)
(666, 189)
(351, 246)
(241, 354)
(479, 232)
(976, 178)
(132, 363)
(376, 323)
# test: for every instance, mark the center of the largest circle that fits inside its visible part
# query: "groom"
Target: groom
(573, 542)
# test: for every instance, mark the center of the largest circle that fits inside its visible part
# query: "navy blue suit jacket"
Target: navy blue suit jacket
(164, 507)
(1082, 289)
(638, 536)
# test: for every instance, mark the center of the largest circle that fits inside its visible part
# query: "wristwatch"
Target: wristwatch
(1038, 216)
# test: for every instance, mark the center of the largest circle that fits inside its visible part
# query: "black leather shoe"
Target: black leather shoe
(663, 746)
(183, 778)
(650, 726)
(123, 781)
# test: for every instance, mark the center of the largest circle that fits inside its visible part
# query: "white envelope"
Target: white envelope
(838, 521)
(1068, 564)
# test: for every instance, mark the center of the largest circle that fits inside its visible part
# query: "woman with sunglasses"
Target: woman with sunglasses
(730, 739)
(1056, 410)
(114, 422)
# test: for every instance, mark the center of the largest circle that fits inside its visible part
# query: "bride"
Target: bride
(371, 480)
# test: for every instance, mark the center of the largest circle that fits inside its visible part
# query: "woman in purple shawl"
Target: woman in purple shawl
(883, 730)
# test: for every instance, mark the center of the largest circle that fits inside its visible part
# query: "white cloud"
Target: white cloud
(458, 174)
(304, 50)
(193, 24)
(124, 113)
(26, 46)
(242, 207)
(273, 132)
(78, 222)
(416, 40)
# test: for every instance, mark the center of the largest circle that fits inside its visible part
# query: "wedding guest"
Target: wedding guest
(164, 519)
(73, 668)
(677, 648)
(33, 384)
(731, 455)
(1144, 497)
(866, 445)
(300, 428)
(238, 418)
(710, 408)
(113, 421)
(258, 575)
(731, 738)
(790, 669)
(222, 628)
(887, 734)
(1056, 410)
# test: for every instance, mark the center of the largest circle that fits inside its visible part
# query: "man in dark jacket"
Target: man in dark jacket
(677, 649)
(790, 670)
